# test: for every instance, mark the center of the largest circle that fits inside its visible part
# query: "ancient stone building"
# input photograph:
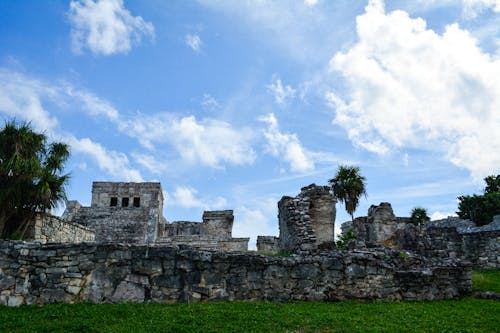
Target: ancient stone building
(121, 212)
(133, 213)
(447, 238)
(305, 221)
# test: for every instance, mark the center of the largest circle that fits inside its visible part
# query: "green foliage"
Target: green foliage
(486, 281)
(30, 177)
(492, 184)
(481, 208)
(419, 216)
(348, 186)
(467, 315)
(346, 238)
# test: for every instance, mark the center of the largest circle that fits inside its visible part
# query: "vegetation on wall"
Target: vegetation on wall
(31, 179)
(419, 216)
(481, 208)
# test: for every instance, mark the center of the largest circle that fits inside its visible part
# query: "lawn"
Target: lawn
(486, 281)
(466, 315)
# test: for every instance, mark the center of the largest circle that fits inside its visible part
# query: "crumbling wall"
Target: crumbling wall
(34, 273)
(48, 228)
(448, 238)
(215, 232)
(306, 220)
(268, 244)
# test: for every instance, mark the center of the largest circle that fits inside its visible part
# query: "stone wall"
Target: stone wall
(306, 220)
(448, 238)
(34, 273)
(119, 224)
(268, 244)
(48, 228)
(215, 232)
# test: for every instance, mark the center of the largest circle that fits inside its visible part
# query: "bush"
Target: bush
(419, 216)
(346, 239)
(479, 208)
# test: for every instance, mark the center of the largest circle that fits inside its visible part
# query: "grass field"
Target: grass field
(486, 281)
(466, 315)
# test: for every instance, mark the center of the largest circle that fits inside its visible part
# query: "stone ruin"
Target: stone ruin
(121, 249)
(447, 238)
(132, 213)
(305, 221)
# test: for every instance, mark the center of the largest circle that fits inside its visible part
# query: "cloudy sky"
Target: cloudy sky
(232, 104)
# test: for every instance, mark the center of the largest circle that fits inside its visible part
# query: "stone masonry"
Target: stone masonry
(48, 228)
(215, 232)
(448, 238)
(34, 273)
(305, 221)
(132, 213)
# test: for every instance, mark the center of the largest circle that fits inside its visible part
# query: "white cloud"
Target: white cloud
(194, 42)
(209, 102)
(21, 97)
(281, 93)
(150, 163)
(94, 105)
(24, 98)
(116, 164)
(437, 215)
(186, 197)
(209, 142)
(411, 87)
(474, 7)
(106, 27)
(286, 146)
(310, 2)
(256, 219)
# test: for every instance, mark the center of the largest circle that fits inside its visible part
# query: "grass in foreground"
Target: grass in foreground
(486, 281)
(467, 315)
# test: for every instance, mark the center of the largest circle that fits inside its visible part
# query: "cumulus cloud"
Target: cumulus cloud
(286, 146)
(194, 42)
(106, 27)
(281, 93)
(22, 97)
(474, 7)
(114, 163)
(408, 86)
(209, 142)
(25, 98)
(186, 197)
(437, 215)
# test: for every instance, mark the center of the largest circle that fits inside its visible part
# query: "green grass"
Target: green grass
(486, 281)
(466, 315)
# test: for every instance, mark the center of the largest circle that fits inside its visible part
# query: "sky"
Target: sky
(233, 104)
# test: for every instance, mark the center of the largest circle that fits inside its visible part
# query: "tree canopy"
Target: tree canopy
(31, 179)
(419, 216)
(481, 208)
(348, 186)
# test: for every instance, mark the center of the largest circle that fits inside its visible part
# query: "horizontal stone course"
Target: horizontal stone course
(106, 272)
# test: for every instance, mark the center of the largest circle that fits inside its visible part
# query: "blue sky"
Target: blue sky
(232, 104)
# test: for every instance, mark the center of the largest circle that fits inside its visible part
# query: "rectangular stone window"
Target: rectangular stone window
(113, 202)
(124, 202)
(137, 202)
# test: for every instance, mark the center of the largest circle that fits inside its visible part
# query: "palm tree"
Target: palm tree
(30, 177)
(348, 186)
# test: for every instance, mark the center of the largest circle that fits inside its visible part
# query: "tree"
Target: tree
(481, 208)
(492, 184)
(419, 216)
(348, 186)
(30, 177)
